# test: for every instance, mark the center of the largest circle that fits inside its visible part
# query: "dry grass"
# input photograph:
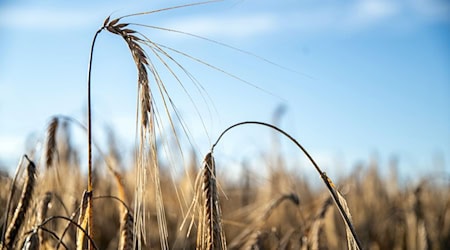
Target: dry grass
(385, 216)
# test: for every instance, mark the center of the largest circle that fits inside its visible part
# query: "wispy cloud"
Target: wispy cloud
(348, 17)
(241, 27)
(317, 17)
(432, 9)
(361, 15)
(367, 12)
(38, 18)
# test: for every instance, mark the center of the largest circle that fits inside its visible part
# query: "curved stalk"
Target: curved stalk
(89, 134)
(323, 175)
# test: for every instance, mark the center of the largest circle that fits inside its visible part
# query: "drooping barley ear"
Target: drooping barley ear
(42, 214)
(126, 231)
(50, 142)
(317, 223)
(147, 133)
(83, 219)
(31, 242)
(210, 234)
(141, 62)
(22, 207)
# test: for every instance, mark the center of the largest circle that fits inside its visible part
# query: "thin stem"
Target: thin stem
(89, 132)
(89, 124)
(113, 198)
(323, 175)
(91, 241)
(277, 129)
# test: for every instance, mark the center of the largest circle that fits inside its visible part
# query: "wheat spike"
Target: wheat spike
(210, 234)
(126, 231)
(352, 241)
(146, 132)
(50, 142)
(42, 213)
(141, 62)
(83, 219)
(24, 202)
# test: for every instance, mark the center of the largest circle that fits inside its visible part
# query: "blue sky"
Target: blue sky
(364, 76)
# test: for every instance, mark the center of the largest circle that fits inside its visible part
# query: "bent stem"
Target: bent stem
(329, 184)
(78, 226)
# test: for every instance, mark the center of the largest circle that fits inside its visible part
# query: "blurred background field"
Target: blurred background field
(282, 209)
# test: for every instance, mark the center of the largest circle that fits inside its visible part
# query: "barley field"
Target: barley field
(58, 200)
(48, 207)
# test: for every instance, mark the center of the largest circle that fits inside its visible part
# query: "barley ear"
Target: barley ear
(50, 142)
(42, 214)
(352, 240)
(210, 233)
(147, 132)
(83, 219)
(141, 62)
(22, 207)
(313, 237)
(126, 231)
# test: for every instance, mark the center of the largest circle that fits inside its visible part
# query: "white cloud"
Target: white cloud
(370, 11)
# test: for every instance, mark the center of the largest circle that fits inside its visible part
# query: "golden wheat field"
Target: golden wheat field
(286, 212)
(56, 201)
